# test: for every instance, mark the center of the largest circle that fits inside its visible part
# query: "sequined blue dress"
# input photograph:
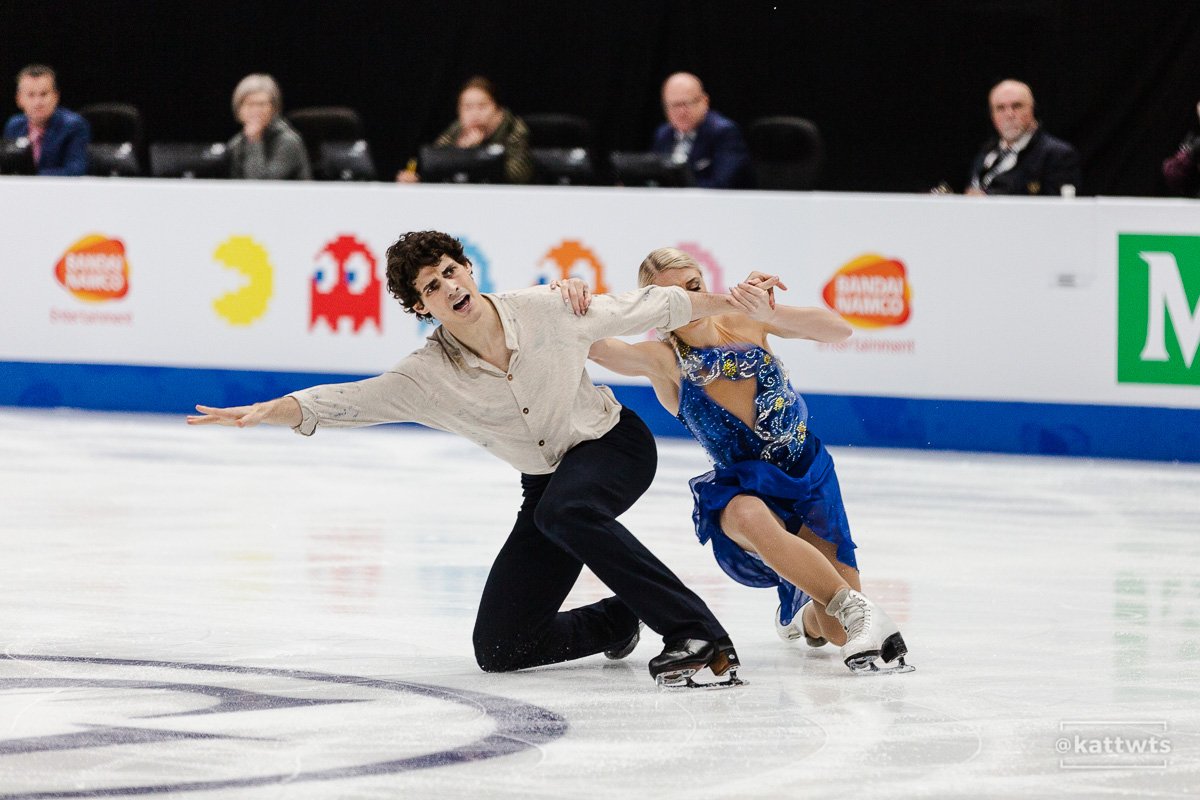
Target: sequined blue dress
(778, 461)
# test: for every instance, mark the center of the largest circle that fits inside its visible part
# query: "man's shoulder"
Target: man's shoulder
(717, 122)
(16, 126)
(435, 351)
(1051, 144)
(537, 296)
(664, 135)
(70, 119)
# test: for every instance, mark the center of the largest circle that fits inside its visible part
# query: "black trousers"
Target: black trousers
(568, 519)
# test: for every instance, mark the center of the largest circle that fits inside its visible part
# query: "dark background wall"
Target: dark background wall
(898, 88)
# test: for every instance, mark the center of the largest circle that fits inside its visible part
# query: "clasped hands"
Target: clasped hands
(755, 295)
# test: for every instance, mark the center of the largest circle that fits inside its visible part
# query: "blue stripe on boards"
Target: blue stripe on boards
(1070, 429)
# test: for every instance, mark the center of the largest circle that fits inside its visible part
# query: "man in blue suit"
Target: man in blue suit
(711, 144)
(59, 137)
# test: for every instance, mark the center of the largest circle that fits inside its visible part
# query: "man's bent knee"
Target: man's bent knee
(495, 656)
(564, 518)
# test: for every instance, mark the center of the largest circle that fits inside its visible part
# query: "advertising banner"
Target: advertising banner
(1080, 303)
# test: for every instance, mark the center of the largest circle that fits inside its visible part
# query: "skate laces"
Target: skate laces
(857, 614)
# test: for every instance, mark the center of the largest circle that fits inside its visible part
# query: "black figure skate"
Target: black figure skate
(619, 651)
(681, 660)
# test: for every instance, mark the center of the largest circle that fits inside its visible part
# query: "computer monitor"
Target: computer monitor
(562, 166)
(189, 160)
(106, 159)
(651, 169)
(346, 161)
(16, 157)
(463, 164)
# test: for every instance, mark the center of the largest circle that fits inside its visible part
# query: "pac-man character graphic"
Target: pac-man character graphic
(245, 305)
(345, 285)
(94, 269)
(572, 259)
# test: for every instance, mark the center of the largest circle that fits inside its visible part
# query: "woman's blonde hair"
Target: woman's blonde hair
(258, 82)
(661, 260)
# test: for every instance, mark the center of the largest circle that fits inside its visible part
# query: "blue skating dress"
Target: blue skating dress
(778, 461)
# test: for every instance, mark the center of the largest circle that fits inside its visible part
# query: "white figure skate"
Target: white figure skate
(870, 635)
(795, 629)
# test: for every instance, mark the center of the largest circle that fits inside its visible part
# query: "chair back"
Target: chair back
(787, 152)
(558, 130)
(114, 123)
(319, 124)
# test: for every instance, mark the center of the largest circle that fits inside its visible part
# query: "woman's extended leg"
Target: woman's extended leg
(820, 621)
(806, 560)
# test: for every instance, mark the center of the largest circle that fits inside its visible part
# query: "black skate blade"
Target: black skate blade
(686, 682)
(862, 661)
(872, 668)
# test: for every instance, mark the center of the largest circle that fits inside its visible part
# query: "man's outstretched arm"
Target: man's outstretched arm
(740, 300)
(280, 411)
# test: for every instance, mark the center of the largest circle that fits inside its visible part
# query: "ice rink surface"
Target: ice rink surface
(212, 613)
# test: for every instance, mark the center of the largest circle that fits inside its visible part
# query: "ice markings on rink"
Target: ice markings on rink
(514, 725)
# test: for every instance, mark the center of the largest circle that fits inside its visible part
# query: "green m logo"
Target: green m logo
(1158, 309)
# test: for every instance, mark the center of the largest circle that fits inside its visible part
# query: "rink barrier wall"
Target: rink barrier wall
(1053, 429)
(1021, 325)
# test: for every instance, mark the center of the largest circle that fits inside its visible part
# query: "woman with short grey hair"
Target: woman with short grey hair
(267, 148)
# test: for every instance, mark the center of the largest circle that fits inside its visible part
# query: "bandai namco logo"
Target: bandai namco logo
(94, 269)
(870, 292)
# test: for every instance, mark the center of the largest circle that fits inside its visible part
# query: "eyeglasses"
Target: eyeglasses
(679, 105)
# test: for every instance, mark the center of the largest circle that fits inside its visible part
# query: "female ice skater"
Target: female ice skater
(771, 506)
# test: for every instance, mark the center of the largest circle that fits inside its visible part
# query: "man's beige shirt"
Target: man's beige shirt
(531, 415)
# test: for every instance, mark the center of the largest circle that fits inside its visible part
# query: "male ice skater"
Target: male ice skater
(507, 371)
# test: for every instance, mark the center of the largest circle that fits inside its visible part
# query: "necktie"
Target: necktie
(1005, 160)
(35, 142)
(683, 147)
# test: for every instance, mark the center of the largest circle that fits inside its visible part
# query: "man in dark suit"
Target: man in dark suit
(711, 144)
(58, 137)
(1023, 159)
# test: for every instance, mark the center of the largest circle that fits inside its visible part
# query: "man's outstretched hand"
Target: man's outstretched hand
(281, 411)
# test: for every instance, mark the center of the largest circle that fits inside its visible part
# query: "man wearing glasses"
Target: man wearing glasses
(711, 144)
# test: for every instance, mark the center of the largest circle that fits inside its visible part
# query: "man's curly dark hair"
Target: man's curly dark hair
(409, 255)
